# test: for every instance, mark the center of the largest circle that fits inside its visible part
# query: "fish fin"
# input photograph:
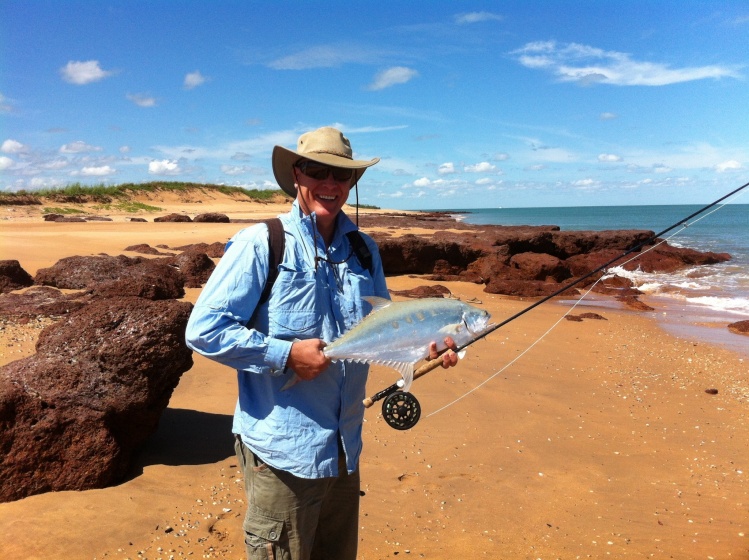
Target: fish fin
(377, 303)
(406, 369)
(293, 380)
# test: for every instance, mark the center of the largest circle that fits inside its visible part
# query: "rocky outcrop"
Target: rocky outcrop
(73, 415)
(529, 260)
(40, 301)
(173, 218)
(108, 276)
(741, 327)
(212, 217)
(13, 276)
(195, 267)
(214, 250)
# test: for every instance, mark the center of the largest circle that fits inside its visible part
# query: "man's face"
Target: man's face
(322, 189)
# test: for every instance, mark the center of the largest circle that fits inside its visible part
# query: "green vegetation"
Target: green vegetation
(366, 206)
(54, 210)
(130, 206)
(76, 192)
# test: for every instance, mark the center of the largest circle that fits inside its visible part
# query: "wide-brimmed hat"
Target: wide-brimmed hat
(325, 145)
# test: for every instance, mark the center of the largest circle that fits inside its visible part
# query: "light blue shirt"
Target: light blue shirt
(295, 430)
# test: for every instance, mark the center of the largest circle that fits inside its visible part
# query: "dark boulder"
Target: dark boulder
(741, 327)
(173, 218)
(195, 268)
(212, 217)
(148, 279)
(40, 301)
(13, 277)
(214, 250)
(77, 273)
(144, 249)
(73, 415)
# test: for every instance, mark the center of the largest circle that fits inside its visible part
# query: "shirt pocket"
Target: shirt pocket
(359, 284)
(293, 308)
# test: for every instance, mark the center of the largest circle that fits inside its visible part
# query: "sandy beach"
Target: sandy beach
(600, 441)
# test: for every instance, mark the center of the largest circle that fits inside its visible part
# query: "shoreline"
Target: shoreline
(600, 440)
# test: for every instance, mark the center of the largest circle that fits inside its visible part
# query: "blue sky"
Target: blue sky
(469, 104)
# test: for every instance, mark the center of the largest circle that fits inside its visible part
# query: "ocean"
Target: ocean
(697, 302)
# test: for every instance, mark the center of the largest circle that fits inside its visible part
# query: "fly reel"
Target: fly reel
(401, 410)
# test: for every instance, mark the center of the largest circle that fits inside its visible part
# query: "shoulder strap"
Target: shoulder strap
(276, 247)
(360, 249)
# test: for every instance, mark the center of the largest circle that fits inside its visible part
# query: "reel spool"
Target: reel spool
(401, 410)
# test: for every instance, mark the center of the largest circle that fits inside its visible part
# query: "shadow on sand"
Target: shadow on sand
(187, 437)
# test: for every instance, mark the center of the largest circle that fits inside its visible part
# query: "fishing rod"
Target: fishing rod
(401, 410)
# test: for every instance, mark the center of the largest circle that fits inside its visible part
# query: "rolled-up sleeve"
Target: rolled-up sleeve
(217, 326)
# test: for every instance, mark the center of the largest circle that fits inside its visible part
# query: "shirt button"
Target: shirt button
(272, 535)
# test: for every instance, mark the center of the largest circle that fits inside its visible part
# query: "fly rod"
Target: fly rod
(435, 363)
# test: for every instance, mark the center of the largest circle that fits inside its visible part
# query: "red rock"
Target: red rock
(13, 277)
(73, 415)
(741, 327)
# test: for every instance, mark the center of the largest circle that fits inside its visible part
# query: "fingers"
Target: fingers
(449, 358)
(307, 359)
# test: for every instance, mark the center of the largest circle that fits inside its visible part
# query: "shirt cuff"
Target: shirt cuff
(276, 355)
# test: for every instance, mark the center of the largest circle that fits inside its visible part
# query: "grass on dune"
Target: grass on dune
(107, 193)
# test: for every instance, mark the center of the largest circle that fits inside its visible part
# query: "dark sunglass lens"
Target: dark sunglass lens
(320, 172)
(340, 174)
(314, 170)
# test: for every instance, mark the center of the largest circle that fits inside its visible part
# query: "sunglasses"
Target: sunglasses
(320, 171)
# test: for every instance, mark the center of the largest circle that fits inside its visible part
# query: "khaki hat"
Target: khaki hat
(325, 145)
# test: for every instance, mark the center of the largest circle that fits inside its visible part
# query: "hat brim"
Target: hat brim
(284, 160)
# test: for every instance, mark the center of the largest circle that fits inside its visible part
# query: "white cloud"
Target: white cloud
(124, 149)
(501, 156)
(141, 100)
(423, 182)
(730, 165)
(606, 116)
(476, 17)
(585, 183)
(587, 65)
(81, 73)
(446, 168)
(392, 76)
(164, 167)
(5, 163)
(5, 106)
(55, 164)
(79, 147)
(234, 169)
(325, 56)
(483, 167)
(194, 79)
(11, 146)
(99, 171)
(609, 158)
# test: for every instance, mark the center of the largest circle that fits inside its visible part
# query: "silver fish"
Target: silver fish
(398, 334)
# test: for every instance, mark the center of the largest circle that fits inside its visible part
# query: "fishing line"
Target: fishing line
(607, 273)
(404, 412)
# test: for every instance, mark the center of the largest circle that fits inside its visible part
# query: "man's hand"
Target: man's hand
(449, 358)
(307, 359)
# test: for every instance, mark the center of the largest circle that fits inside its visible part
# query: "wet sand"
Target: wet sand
(598, 442)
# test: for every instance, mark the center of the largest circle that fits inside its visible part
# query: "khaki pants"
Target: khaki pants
(291, 518)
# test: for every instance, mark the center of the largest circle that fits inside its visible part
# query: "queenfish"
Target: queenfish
(398, 334)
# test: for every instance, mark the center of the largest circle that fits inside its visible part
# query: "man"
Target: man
(298, 446)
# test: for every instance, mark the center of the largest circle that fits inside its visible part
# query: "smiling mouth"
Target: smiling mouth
(327, 198)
